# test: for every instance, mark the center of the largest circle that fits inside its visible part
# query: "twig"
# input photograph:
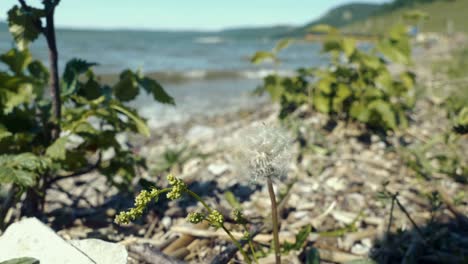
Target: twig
(403, 209)
(390, 219)
(461, 218)
(78, 173)
(260, 238)
(337, 256)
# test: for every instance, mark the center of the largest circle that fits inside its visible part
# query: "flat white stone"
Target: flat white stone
(31, 238)
(102, 252)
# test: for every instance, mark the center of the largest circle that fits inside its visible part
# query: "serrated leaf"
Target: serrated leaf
(20, 177)
(16, 60)
(73, 69)
(158, 92)
(58, 150)
(90, 90)
(126, 89)
(140, 124)
(261, 56)
(38, 71)
(21, 261)
(23, 25)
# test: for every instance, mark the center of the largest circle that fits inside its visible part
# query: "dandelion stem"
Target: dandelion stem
(274, 218)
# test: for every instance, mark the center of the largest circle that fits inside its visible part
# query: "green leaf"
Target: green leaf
(141, 126)
(17, 60)
(359, 111)
(313, 256)
(17, 176)
(349, 46)
(38, 71)
(261, 56)
(385, 112)
(21, 261)
(392, 53)
(126, 89)
(24, 26)
(232, 200)
(342, 93)
(74, 68)
(282, 44)
(321, 103)
(58, 150)
(90, 90)
(158, 92)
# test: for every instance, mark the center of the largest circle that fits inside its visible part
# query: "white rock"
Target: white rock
(166, 221)
(102, 252)
(192, 166)
(360, 249)
(31, 238)
(197, 133)
(218, 169)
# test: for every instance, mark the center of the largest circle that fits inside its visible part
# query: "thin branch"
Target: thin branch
(83, 171)
(403, 209)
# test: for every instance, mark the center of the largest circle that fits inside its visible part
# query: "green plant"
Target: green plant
(45, 139)
(176, 190)
(356, 85)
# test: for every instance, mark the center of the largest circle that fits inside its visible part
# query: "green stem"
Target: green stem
(238, 245)
(252, 249)
(198, 198)
(234, 240)
(274, 218)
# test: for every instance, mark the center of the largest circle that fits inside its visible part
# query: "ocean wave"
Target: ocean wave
(209, 40)
(174, 76)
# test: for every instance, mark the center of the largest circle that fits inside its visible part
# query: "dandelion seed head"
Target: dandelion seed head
(263, 152)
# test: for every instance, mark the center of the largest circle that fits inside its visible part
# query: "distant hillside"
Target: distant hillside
(342, 15)
(442, 15)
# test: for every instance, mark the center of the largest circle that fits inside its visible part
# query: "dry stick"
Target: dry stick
(274, 218)
(461, 218)
(402, 208)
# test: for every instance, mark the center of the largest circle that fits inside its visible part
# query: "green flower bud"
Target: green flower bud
(215, 219)
(195, 217)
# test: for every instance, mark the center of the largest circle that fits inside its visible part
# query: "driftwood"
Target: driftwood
(260, 238)
(148, 254)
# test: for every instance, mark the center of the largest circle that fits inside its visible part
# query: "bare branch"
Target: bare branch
(78, 173)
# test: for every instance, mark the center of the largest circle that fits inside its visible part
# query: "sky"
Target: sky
(184, 14)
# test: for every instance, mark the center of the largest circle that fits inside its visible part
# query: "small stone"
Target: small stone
(198, 133)
(360, 249)
(166, 222)
(218, 169)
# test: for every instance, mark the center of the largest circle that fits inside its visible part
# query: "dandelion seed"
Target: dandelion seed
(264, 152)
